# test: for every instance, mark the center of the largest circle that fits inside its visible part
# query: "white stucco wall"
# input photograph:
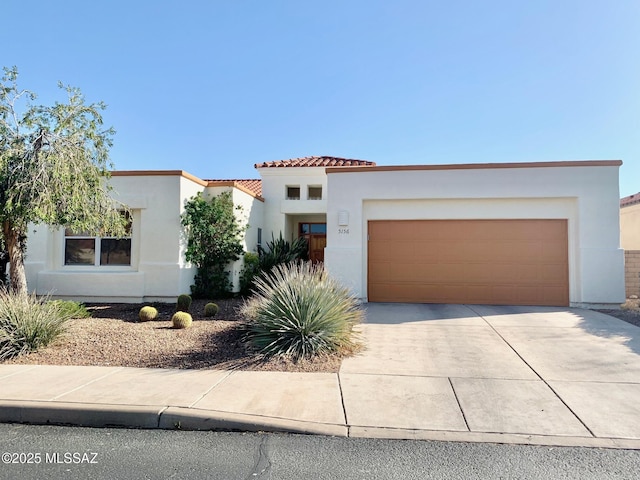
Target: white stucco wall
(630, 227)
(278, 211)
(158, 270)
(587, 196)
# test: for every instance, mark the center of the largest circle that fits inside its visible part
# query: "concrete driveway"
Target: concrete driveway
(494, 369)
(549, 376)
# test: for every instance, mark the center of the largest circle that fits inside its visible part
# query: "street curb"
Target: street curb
(87, 415)
(487, 437)
(194, 419)
(181, 418)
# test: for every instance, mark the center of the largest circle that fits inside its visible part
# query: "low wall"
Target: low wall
(632, 272)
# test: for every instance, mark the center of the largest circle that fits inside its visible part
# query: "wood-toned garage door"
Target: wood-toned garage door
(500, 262)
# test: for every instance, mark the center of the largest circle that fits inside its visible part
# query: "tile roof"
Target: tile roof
(316, 162)
(253, 185)
(630, 200)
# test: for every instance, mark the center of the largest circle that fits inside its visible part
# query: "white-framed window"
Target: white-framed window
(314, 192)
(81, 249)
(293, 192)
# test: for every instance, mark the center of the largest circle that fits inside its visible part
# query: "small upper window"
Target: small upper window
(259, 236)
(293, 193)
(315, 193)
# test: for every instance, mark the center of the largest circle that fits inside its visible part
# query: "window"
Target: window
(293, 193)
(83, 249)
(259, 236)
(315, 193)
(313, 228)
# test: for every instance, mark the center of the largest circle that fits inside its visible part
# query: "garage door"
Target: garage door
(499, 262)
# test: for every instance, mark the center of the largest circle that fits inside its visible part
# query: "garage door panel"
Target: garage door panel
(550, 274)
(469, 261)
(552, 254)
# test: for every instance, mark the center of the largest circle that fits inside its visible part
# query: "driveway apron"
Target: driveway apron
(521, 370)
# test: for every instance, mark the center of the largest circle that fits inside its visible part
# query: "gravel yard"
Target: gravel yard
(113, 336)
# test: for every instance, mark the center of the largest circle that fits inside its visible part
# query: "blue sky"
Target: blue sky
(214, 87)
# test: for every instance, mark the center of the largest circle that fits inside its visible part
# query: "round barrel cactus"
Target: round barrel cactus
(210, 310)
(147, 314)
(181, 320)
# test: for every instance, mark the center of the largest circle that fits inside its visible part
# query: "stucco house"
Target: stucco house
(542, 233)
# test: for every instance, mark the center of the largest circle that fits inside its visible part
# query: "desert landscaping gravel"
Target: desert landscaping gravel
(114, 336)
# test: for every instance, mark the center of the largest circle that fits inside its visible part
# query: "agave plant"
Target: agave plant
(281, 251)
(299, 311)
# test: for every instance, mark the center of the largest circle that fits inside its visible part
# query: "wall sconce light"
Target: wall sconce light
(343, 218)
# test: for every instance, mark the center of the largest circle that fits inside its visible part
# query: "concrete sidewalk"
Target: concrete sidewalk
(550, 376)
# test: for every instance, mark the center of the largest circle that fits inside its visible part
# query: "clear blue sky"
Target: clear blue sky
(212, 87)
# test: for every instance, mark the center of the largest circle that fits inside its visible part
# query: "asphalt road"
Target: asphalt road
(90, 453)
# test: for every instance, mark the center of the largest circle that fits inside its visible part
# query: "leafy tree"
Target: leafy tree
(53, 163)
(214, 239)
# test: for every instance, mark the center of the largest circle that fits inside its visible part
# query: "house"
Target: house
(543, 233)
(150, 264)
(630, 242)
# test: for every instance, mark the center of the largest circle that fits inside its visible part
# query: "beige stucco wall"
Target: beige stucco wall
(587, 196)
(630, 227)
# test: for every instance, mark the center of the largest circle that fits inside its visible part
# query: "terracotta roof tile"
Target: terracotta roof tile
(316, 162)
(630, 200)
(252, 185)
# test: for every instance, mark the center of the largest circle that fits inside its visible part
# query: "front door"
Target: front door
(316, 235)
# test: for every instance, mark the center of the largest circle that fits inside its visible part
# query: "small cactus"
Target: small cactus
(210, 310)
(181, 320)
(184, 303)
(147, 314)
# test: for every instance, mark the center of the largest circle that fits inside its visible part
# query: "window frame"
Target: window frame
(314, 197)
(287, 191)
(97, 250)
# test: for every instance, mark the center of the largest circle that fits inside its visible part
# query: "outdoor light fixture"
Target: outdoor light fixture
(343, 218)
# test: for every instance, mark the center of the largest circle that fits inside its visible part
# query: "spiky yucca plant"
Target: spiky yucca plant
(299, 311)
(28, 323)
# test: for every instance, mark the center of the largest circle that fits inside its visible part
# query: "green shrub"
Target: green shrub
(299, 311)
(148, 314)
(184, 303)
(214, 239)
(181, 320)
(28, 323)
(250, 269)
(71, 308)
(210, 310)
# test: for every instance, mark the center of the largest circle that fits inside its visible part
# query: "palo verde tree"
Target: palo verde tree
(53, 165)
(214, 239)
